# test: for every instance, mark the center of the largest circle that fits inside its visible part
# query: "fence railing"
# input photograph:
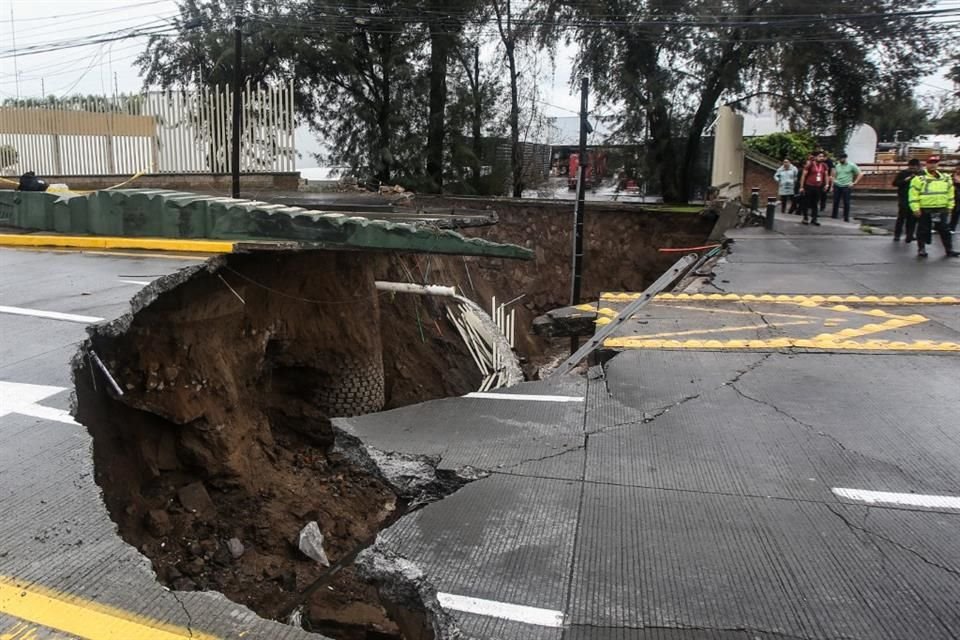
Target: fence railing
(187, 131)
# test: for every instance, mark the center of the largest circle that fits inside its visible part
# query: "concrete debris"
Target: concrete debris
(235, 547)
(310, 543)
(413, 477)
(194, 498)
(406, 594)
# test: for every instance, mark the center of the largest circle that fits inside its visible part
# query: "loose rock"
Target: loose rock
(158, 523)
(194, 498)
(235, 547)
(310, 544)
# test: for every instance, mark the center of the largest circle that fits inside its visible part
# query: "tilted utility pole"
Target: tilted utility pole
(237, 82)
(577, 267)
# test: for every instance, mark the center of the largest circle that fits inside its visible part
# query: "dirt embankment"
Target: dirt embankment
(621, 245)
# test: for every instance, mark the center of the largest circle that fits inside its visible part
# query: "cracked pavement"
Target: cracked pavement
(691, 494)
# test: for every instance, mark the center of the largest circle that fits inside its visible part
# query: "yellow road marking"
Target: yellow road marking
(640, 342)
(694, 332)
(104, 242)
(83, 618)
(804, 300)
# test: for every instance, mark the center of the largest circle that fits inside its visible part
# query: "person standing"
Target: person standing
(931, 196)
(905, 217)
(823, 196)
(955, 217)
(786, 177)
(845, 176)
(815, 180)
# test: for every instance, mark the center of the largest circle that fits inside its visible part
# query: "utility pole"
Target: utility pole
(237, 81)
(577, 267)
(13, 40)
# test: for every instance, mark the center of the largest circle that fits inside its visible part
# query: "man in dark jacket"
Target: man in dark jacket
(905, 217)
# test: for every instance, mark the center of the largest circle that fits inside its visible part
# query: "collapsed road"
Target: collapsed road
(210, 407)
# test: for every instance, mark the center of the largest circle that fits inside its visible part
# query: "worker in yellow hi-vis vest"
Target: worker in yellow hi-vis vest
(931, 196)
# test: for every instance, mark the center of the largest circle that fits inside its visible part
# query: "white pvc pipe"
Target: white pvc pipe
(420, 289)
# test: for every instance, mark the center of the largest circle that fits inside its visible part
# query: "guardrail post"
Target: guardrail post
(771, 211)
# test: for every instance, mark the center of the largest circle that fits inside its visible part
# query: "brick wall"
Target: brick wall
(759, 175)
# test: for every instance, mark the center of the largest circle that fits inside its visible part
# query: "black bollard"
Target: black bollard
(771, 210)
(755, 199)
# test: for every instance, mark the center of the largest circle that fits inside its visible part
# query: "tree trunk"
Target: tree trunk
(477, 118)
(516, 154)
(439, 51)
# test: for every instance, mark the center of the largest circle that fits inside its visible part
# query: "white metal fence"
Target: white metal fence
(156, 132)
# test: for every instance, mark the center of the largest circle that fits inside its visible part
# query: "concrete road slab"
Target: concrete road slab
(931, 276)
(685, 561)
(813, 278)
(511, 542)
(489, 432)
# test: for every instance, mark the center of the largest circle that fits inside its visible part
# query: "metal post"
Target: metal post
(755, 199)
(237, 82)
(577, 267)
(771, 211)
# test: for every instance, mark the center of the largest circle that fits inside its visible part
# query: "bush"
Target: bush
(794, 145)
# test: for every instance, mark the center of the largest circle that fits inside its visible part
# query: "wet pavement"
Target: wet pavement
(739, 486)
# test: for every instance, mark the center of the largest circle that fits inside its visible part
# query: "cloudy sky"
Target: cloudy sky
(104, 68)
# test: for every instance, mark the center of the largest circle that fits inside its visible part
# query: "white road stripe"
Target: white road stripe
(905, 499)
(53, 315)
(521, 396)
(140, 282)
(503, 610)
(16, 397)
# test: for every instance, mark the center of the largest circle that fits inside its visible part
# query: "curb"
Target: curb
(105, 242)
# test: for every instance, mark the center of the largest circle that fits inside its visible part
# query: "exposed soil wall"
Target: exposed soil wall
(219, 451)
(620, 241)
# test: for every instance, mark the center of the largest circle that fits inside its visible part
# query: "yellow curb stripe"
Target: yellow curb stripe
(83, 618)
(640, 342)
(109, 242)
(804, 300)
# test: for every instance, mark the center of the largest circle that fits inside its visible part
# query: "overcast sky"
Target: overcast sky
(101, 69)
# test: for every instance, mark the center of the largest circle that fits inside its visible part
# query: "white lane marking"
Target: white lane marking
(53, 315)
(907, 499)
(503, 610)
(140, 282)
(16, 397)
(520, 396)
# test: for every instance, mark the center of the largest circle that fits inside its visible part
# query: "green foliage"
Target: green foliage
(896, 116)
(131, 104)
(8, 156)
(948, 123)
(796, 145)
(670, 68)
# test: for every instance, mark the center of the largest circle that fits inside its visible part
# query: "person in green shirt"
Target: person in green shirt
(845, 176)
(931, 196)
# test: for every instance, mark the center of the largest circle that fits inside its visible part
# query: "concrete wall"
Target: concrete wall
(217, 182)
(144, 213)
